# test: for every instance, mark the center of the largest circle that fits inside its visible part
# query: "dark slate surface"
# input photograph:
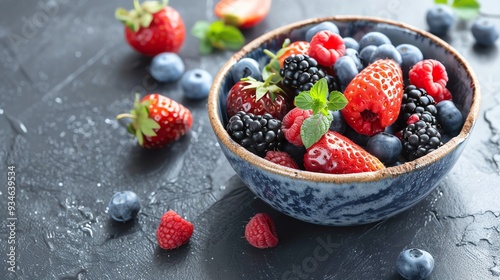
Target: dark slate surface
(66, 72)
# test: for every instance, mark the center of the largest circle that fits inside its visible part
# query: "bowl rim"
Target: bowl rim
(384, 173)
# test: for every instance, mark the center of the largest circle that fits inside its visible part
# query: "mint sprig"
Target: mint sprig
(321, 102)
(465, 9)
(217, 35)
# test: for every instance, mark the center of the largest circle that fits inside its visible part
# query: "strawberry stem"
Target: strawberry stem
(138, 7)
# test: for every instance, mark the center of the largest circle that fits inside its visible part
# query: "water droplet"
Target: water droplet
(78, 54)
(60, 184)
(98, 184)
(58, 100)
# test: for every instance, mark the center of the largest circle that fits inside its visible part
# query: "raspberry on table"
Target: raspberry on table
(431, 75)
(260, 231)
(173, 230)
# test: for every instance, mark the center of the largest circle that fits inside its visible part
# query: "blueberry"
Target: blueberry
(366, 53)
(196, 83)
(386, 147)
(440, 18)
(373, 38)
(414, 264)
(124, 206)
(484, 31)
(357, 138)
(386, 51)
(166, 67)
(246, 67)
(338, 124)
(449, 117)
(297, 153)
(345, 70)
(355, 56)
(326, 25)
(410, 55)
(351, 43)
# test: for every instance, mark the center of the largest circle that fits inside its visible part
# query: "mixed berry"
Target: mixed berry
(341, 105)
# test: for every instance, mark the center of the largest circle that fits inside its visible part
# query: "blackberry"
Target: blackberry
(256, 133)
(417, 101)
(419, 139)
(301, 71)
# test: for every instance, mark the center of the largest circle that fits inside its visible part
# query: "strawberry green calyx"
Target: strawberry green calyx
(273, 67)
(141, 15)
(262, 88)
(141, 125)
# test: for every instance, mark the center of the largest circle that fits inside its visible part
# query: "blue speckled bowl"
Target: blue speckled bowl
(350, 199)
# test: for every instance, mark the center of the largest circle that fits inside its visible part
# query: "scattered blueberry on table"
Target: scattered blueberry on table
(415, 264)
(124, 206)
(167, 67)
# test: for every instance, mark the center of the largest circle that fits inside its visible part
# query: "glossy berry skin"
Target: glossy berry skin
(296, 153)
(246, 67)
(281, 158)
(124, 206)
(196, 83)
(410, 55)
(386, 147)
(366, 53)
(167, 67)
(166, 33)
(485, 32)
(345, 70)
(260, 231)
(326, 47)
(415, 264)
(373, 38)
(297, 47)
(173, 231)
(374, 97)
(431, 75)
(326, 25)
(449, 117)
(352, 53)
(386, 51)
(338, 124)
(351, 43)
(440, 18)
(337, 154)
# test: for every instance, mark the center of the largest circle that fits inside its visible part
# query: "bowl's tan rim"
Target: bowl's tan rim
(422, 162)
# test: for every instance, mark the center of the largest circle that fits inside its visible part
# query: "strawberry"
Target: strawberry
(158, 120)
(260, 231)
(252, 96)
(281, 158)
(173, 231)
(242, 13)
(337, 154)
(153, 27)
(374, 97)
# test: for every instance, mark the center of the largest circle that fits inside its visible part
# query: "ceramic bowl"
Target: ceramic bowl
(350, 199)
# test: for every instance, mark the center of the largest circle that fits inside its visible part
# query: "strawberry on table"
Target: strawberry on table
(158, 120)
(153, 27)
(337, 154)
(258, 98)
(242, 13)
(374, 97)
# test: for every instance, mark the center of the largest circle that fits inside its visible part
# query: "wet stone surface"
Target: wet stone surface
(66, 74)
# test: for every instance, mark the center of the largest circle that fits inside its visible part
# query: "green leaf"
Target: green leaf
(467, 13)
(152, 6)
(200, 29)
(217, 35)
(122, 15)
(260, 92)
(336, 101)
(304, 101)
(465, 4)
(441, 2)
(314, 127)
(205, 47)
(139, 136)
(146, 20)
(320, 90)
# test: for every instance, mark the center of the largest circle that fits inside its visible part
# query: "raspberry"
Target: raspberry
(281, 158)
(260, 231)
(291, 125)
(431, 75)
(326, 47)
(173, 231)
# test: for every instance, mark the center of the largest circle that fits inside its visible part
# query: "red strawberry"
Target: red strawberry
(291, 125)
(374, 97)
(326, 47)
(173, 231)
(281, 158)
(252, 96)
(242, 13)
(158, 120)
(431, 75)
(153, 27)
(337, 154)
(260, 231)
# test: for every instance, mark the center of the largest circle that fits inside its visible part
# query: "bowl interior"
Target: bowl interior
(462, 84)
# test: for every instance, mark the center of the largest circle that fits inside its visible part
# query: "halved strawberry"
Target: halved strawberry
(252, 96)
(158, 120)
(242, 13)
(337, 154)
(374, 97)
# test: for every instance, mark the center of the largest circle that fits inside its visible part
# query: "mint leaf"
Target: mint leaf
(441, 2)
(465, 4)
(319, 93)
(314, 127)
(200, 29)
(336, 101)
(304, 101)
(217, 35)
